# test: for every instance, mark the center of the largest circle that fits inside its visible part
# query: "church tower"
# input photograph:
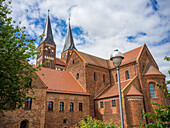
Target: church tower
(47, 47)
(68, 46)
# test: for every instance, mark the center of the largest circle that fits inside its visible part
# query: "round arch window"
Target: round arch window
(24, 124)
(152, 90)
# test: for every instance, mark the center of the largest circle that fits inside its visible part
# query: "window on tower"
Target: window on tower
(152, 90)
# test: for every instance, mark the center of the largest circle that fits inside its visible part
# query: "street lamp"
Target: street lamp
(117, 58)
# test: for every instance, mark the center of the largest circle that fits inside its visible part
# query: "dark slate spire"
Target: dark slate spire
(47, 34)
(69, 42)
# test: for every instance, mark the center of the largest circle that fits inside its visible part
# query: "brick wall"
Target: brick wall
(35, 116)
(76, 66)
(108, 113)
(134, 109)
(55, 118)
(44, 55)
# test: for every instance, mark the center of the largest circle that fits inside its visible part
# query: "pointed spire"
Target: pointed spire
(47, 34)
(69, 42)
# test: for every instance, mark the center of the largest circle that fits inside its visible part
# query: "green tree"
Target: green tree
(89, 122)
(162, 113)
(16, 50)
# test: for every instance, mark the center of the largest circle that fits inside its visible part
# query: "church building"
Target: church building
(81, 84)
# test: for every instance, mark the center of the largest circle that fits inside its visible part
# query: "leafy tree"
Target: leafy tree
(162, 113)
(16, 50)
(89, 122)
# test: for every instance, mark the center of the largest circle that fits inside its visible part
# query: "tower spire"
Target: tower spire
(69, 42)
(47, 34)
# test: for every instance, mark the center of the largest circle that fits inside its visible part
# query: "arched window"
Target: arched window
(71, 106)
(94, 76)
(61, 108)
(141, 111)
(50, 106)
(73, 61)
(77, 76)
(127, 75)
(28, 103)
(65, 121)
(103, 78)
(80, 106)
(152, 90)
(24, 124)
(116, 77)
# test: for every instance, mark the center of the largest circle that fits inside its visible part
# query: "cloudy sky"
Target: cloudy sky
(100, 26)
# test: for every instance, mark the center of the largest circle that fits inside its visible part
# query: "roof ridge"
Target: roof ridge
(103, 91)
(93, 55)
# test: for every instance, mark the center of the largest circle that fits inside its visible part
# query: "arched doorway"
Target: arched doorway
(24, 124)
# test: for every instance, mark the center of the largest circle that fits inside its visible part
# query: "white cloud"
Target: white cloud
(105, 24)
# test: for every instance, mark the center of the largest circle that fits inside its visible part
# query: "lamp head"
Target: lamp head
(116, 57)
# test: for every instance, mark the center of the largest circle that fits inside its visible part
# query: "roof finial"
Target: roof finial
(48, 11)
(69, 20)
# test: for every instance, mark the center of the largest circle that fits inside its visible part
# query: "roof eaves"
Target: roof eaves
(152, 74)
(97, 66)
(102, 91)
(67, 92)
(107, 97)
(124, 64)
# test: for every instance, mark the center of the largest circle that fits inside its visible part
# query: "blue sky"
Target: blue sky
(100, 26)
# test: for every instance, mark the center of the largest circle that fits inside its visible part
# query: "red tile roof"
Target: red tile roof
(60, 62)
(129, 57)
(112, 90)
(93, 60)
(133, 92)
(60, 81)
(151, 70)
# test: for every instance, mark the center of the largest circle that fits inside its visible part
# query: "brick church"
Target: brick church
(81, 84)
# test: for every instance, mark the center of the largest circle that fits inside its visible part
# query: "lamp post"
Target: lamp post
(117, 58)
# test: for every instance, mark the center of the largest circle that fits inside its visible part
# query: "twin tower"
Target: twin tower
(47, 47)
